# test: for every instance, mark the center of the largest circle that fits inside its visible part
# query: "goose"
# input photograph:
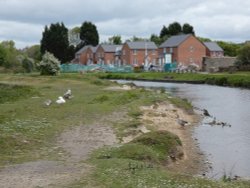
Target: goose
(48, 102)
(68, 94)
(60, 100)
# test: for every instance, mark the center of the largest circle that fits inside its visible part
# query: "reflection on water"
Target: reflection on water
(228, 148)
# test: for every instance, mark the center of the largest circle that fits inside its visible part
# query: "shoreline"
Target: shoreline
(164, 116)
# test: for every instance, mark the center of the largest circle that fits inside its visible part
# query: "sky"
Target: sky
(23, 21)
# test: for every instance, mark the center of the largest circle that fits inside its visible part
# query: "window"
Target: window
(153, 52)
(164, 50)
(135, 61)
(191, 49)
(134, 51)
(170, 50)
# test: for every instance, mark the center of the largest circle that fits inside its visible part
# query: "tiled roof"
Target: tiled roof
(82, 49)
(213, 46)
(138, 45)
(174, 41)
(111, 47)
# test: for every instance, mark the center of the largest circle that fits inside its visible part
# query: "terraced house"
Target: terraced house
(139, 53)
(183, 49)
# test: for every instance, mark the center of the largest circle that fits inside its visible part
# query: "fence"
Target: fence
(94, 68)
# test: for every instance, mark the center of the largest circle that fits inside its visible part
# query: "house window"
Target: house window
(164, 50)
(153, 52)
(134, 52)
(135, 61)
(170, 50)
(191, 60)
(191, 49)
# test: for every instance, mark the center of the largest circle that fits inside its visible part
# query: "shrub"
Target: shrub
(49, 65)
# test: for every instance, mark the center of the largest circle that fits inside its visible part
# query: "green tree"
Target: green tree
(230, 49)
(187, 29)
(89, 34)
(33, 52)
(243, 57)
(11, 54)
(28, 64)
(55, 41)
(164, 32)
(202, 39)
(116, 39)
(156, 39)
(174, 28)
(3, 56)
(49, 65)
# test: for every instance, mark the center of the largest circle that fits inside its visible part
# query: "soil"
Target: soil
(80, 141)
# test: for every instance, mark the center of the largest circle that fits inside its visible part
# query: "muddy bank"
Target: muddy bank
(165, 116)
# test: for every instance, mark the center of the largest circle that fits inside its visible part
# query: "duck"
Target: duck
(68, 94)
(60, 100)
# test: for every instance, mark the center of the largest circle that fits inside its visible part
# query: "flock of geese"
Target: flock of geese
(61, 99)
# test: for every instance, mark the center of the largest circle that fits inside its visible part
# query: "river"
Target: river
(226, 148)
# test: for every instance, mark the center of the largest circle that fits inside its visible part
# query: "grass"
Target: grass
(28, 130)
(239, 79)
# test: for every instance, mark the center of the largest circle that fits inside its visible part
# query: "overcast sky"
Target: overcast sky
(23, 20)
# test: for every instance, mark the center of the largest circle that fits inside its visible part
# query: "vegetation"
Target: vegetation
(116, 39)
(230, 49)
(29, 130)
(244, 55)
(55, 40)
(49, 65)
(240, 79)
(89, 34)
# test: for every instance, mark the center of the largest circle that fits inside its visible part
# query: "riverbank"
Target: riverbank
(81, 143)
(239, 79)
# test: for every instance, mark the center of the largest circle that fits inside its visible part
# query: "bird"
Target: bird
(48, 102)
(60, 100)
(68, 94)
(181, 122)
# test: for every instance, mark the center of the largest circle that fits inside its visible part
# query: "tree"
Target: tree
(243, 57)
(187, 29)
(28, 64)
(116, 39)
(3, 56)
(230, 49)
(89, 34)
(135, 39)
(11, 54)
(33, 52)
(156, 39)
(164, 32)
(55, 41)
(174, 28)
(49, 65)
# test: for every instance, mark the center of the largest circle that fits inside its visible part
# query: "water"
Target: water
(227, 148)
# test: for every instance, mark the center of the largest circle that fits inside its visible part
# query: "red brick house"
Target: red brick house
(182, 49)
(139, 53)
(213, 49)
(107, 54)
(86, 55)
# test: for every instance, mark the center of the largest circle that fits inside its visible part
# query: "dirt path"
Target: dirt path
(80, 141)
(77, 142)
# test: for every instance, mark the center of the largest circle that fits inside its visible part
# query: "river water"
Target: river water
(226, 148)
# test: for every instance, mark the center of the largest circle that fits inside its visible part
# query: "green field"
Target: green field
(29, 129)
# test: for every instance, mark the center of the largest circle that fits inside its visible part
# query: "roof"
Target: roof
(138, 45)
(110, 47)
(174, 41)
(213, 46)
(93, 48)
(82, 49)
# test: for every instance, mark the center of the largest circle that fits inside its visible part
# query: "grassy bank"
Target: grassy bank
(29, 130)
(240, 79)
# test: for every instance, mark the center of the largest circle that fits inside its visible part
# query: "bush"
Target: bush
(28, 64)
(49, 65)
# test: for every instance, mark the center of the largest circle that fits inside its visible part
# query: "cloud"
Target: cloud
(24, 20)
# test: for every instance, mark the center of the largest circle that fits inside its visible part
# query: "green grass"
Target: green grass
(28, 130)
(239, 79)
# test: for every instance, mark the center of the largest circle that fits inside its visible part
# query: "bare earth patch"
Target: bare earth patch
(164, 116)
